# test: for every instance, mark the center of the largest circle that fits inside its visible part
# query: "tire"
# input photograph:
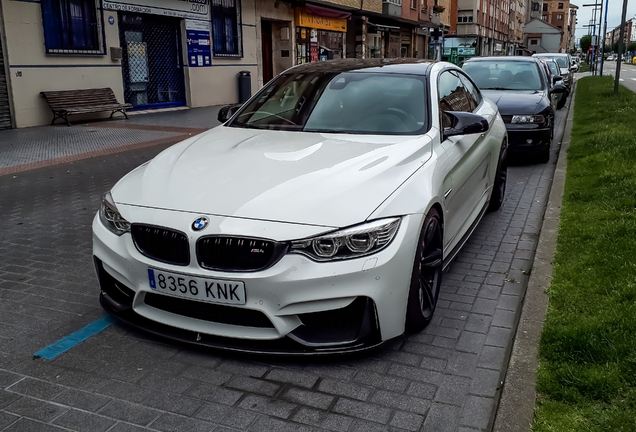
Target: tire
(544, 156)
(426, 277)
(562, 101)
(501, 177)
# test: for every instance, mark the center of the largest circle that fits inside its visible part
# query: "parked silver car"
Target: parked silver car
(565, 64)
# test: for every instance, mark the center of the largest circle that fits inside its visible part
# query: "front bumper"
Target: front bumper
(528, 138)
(297, 306)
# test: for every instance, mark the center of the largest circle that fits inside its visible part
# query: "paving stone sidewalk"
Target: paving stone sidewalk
(446, 378)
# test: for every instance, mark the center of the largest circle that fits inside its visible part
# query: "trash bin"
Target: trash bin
(244, 85)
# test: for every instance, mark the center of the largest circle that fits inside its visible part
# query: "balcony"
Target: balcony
(392, 7)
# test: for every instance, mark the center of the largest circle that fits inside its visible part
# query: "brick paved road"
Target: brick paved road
(444, 379)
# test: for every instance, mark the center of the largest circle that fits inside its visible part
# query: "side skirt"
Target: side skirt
(451, 256)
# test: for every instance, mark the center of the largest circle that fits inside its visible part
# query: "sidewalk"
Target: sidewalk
(35, 147)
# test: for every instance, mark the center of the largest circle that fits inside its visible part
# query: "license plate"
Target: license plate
(192, 287)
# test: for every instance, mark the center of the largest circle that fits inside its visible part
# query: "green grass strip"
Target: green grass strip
(584, 67)
(587, 355)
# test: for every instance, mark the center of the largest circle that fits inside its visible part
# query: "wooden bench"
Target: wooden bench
(66, 102)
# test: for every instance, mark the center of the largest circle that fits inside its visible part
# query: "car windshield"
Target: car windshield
(561, 61)
(348, 102)
(504, 75)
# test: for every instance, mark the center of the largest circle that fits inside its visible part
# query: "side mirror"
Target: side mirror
(464, 123)
(556, 79)
(558, 88)
(226, 112)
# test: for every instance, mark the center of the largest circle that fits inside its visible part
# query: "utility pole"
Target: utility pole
(601, 37)
(604, 33)
(620, 48)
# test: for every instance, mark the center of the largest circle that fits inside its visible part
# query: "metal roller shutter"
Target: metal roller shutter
(5, 113)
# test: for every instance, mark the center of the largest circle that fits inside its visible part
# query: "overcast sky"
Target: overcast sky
(613, 17)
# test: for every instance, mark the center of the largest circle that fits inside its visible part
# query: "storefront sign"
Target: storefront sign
(198, 38)
(465, 51)
(190, 9)
(304, 18)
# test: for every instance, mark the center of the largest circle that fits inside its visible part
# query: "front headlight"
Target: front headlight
(354, 242)
(110, 217)
(528, 119)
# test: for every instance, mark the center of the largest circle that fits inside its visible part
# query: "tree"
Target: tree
(585, 42)
(607, 49)
(631, 46)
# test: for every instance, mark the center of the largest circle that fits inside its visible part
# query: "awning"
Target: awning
(383, 27)
(327, 12)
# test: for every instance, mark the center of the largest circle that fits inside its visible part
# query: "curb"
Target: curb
(515, 412)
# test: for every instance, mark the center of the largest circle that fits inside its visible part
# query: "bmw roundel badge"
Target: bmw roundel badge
(200, 223)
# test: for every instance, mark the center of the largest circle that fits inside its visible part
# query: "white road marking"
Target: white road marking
(621, 79)
(633, 79)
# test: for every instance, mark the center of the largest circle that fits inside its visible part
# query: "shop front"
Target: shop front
(153, 62)
(458, 49)
(320, 33)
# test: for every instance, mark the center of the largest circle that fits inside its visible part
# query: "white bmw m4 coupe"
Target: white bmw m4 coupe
(318, 218)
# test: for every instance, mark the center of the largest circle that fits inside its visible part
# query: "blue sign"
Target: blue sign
(199, 49)
(111, 20)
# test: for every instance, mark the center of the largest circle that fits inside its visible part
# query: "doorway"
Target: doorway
(268, 60)
(152, 61)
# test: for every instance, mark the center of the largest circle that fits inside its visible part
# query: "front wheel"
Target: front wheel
(501, 178)
(426, 278)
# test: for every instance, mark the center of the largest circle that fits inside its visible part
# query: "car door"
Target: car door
(469, 155)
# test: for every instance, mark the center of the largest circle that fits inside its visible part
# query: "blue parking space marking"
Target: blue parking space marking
(151, 278)
(68, 342)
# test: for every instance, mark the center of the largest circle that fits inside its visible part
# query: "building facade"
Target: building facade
(168, 53)
(558, 13)
(482, 28)
(542, 37)
(614, 35)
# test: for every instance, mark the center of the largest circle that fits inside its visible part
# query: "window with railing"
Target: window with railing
(465, 16)
(226, 28)
(72, 27)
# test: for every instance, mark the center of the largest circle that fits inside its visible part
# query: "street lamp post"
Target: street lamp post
(593, 25)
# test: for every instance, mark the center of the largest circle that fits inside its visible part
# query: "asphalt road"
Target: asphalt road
(628, 74)
(446, 378)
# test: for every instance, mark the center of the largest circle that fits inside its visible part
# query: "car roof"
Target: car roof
(550, 55)
(501, 59)
(396, 66)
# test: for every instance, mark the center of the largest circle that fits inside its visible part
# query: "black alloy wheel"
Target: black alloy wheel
(426, 278)
(501, 178)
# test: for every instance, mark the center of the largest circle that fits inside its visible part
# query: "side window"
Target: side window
(474, 97)
(452, 96)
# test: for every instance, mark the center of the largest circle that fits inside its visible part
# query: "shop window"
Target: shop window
(72, 27)
(544, 18)
(559, 17)
(226, 28)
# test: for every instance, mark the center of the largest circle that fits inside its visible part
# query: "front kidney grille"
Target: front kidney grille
(237, 253)
(161, 244)
(208, 312)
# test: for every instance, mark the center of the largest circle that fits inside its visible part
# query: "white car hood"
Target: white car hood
(331, 180)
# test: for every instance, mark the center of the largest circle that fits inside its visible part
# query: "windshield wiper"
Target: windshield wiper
(335, 131)
(495, 88)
